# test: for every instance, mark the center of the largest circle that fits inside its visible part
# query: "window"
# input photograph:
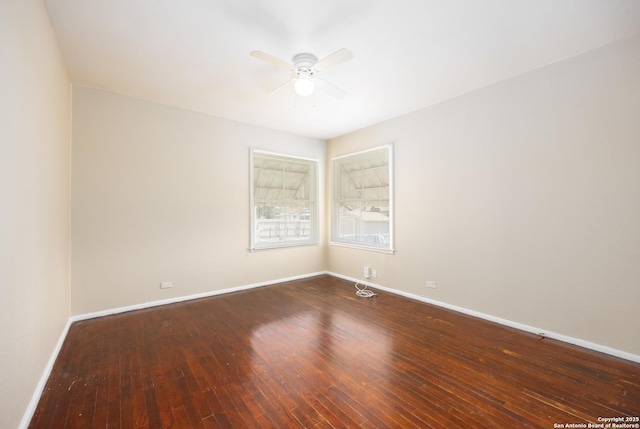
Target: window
(284, 209)
(362, 206)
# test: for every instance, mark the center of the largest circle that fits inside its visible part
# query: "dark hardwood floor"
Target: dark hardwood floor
(310, 353)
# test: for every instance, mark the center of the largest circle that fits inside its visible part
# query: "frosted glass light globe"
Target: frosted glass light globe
(304, 86)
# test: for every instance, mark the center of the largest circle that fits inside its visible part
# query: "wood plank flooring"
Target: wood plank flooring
(311, 354)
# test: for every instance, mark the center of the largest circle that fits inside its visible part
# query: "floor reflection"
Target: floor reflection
(322, 345)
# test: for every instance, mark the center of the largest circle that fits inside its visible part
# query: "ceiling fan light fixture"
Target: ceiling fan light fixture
(304, 86)
(304, 69)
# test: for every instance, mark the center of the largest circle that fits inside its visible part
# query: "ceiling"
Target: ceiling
(409, 54)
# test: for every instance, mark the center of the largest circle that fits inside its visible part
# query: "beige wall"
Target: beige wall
(34, 199)
(162, 194)
(522, 199)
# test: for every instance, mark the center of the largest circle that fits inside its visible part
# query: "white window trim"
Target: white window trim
(314, 240)
(334, 218)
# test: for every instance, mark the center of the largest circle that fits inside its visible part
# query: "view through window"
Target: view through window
(283, 200)
(362, 206)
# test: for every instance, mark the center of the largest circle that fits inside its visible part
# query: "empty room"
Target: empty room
(337, 214)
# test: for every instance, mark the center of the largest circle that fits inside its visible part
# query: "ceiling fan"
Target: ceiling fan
(305, 70)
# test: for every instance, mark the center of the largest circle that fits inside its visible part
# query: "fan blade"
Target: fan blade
(333, 90)
(271, 60)
(279, 87)
(338, 57)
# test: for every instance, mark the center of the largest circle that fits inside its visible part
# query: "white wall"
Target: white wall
(34, 202)
(522, 199)
(162, 194)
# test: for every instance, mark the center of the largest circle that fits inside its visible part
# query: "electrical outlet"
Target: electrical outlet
(367, 272)
(432, 285)
(166, 285)
(374, 274)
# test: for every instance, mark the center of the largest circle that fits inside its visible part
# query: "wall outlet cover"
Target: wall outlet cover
(367, 272)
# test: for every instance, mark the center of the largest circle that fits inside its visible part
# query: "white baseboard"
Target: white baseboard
(28, 415)
(144, 305)
(560, 337)
(35, 398)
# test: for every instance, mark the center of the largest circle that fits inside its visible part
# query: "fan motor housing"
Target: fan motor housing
(304, 61)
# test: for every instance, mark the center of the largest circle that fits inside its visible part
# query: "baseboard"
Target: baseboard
(35, 398)
(560, 337)
(141, 306)
(28, 415)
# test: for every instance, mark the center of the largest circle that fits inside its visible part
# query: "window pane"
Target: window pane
(363, 225)
(284, 209)
(362, 212)
(276, 223)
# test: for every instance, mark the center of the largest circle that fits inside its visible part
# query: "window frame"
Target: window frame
(314, 211)
(335, 202)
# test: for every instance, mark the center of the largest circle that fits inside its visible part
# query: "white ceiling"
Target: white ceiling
(409, 54)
